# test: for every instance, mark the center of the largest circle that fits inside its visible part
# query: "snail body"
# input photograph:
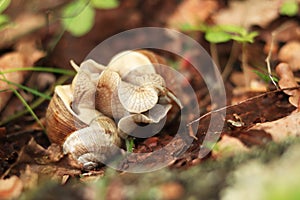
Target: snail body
(104, 104)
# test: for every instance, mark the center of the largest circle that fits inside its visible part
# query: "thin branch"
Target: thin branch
(268, 59)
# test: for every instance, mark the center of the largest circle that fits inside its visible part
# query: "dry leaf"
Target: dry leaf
(281, 128)
(171, 191)
(249, 12)
(287, 80)
(25, 56)
(2, 132)
(10, 188)
(40, 155)
(24, 24)
(228, 146)
(290, 53)
(192, 12)
(29, 178)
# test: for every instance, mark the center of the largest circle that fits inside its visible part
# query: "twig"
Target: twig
(244, 64)
(250, 99)
(269, 58)
(229, 65)
(214, 54)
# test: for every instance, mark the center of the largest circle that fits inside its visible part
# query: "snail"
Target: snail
(90, 117)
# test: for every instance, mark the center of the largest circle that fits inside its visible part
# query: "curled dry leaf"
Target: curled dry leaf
(289, 53)
(29, 178)
(25, 56)
(24, 24)
(228, 146)
(192, 12)
(248, 13)
(10, 188)
(287, 80)
(282, 128)
(172, 190)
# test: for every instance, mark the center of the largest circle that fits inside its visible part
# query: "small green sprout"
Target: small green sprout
(129, 144)
(78, 17)
(266, 77)
(105, 4)
(4, 19)
(4, 4)
(289, 8)
(223, 33)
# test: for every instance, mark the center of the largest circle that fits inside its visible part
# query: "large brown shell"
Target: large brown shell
(61, 121)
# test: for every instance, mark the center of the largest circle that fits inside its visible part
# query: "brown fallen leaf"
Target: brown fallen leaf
(43, 156)
(287, 80)
(10, 188)
(115, 190)
(289, 53)
(171, 191)
(228, 146)
(282, 128)
(249, 12)
(29, 178)
(192, 12)
(24, 24)
(287, 31)
(2, 132)
(265, 107)
(25, 55)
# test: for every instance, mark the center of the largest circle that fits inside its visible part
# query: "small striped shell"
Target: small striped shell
(93, 144)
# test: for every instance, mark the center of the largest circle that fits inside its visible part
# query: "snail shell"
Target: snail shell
(129, 89)
(61, 120)
(90, 143)
(93, 144)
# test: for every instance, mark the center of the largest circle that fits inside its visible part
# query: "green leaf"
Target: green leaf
(265, 77)
(41, 69)
(4, 4)
(189, 27)
(129, 144)
(4, 19)
(249, 37)
(289, 8)
(233, 29)
(105, 4)
(217, 36)
(81, 20)
(252, 34)
(74, 8)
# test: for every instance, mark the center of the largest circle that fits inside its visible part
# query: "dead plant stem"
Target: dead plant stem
(244, 64)
(214, 54)
(229, 65)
